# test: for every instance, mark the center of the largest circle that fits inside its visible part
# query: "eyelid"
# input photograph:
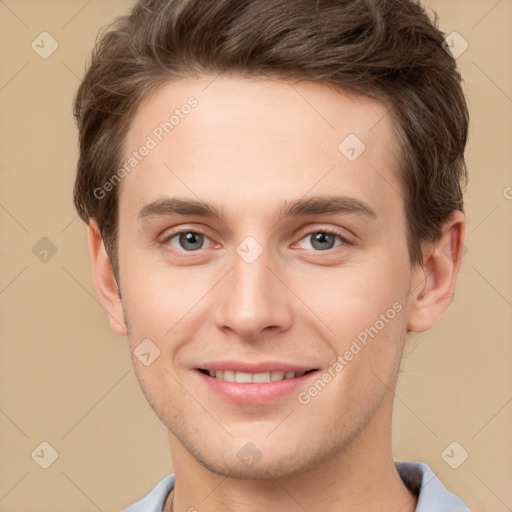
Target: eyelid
(303, 233)
(330, 231)
(170, 235)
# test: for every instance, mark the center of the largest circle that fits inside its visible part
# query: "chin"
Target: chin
(262, 470)
(249, 463)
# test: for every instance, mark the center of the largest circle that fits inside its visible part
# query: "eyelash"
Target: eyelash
(331, 232)
(196, 231)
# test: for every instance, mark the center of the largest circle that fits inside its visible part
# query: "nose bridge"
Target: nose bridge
(253, 299)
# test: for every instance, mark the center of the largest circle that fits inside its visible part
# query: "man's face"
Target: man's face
(255, 290)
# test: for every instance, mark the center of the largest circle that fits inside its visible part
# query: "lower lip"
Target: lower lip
(255, 394)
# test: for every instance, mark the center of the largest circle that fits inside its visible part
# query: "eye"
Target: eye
(323, 240)
(187, 240)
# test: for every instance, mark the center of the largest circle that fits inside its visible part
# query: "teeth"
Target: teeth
(276, 375)
(241, 377)
(227, 375)
(245, 378)
(261, 377)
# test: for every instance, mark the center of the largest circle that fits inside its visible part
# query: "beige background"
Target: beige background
(67, 380)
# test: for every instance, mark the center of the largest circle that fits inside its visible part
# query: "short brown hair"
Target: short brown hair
(389, 50)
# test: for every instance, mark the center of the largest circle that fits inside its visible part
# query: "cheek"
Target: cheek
(161, 302)
(364, 309)
(350, 299)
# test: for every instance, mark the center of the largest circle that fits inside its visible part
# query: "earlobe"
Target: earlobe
(104, 280)
(434, 282)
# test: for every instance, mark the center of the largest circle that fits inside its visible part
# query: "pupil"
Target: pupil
(187, 240)
(322, 239)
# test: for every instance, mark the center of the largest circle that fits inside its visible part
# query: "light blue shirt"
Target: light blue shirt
(433, 496)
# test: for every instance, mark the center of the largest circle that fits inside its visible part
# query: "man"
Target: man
(272, 192)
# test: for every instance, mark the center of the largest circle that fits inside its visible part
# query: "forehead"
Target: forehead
(231, 137)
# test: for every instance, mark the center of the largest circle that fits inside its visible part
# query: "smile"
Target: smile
(253, 378)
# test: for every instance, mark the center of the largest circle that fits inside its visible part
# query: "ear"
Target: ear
(433, 285)
(104, 280)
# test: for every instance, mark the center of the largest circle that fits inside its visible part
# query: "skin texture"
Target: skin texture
(249, 148)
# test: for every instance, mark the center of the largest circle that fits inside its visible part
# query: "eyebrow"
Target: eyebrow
(316, 205)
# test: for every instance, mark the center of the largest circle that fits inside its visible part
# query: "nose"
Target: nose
(254, 299)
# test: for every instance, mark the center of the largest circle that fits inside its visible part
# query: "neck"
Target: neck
(361, 476)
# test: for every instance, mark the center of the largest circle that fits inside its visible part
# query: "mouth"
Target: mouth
(254, 378)
(254, 384)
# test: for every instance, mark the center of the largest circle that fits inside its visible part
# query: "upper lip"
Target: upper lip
(261, 367)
